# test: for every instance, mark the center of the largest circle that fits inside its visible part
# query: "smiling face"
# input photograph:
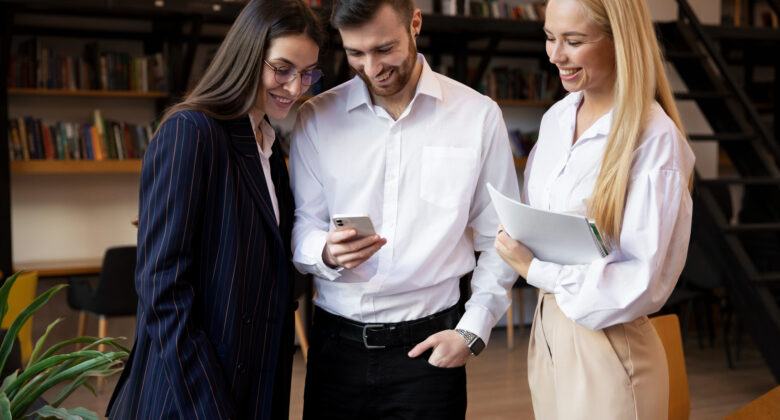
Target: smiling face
(382, 51)
(297, 52)
(583, 53)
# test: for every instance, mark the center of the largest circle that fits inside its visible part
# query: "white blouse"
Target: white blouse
(637, 278)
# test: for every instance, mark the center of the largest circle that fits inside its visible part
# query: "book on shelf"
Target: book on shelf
(102, 139)
(515, 83)
(522, 143)
(40, 67)
(498, 9)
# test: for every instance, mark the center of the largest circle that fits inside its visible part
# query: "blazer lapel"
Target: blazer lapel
(242, 139)
(284, 196)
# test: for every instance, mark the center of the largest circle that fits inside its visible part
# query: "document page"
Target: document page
(554, 237)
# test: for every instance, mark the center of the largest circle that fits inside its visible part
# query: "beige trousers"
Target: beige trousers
(576, 373)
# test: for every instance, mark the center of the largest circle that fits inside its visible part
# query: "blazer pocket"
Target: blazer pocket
(448, 175)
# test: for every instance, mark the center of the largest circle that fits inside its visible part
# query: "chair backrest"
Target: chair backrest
(21, 295)
(668, 328)
(115, 291)
(764, 407)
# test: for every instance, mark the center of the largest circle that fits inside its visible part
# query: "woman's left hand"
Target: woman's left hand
(517, 255)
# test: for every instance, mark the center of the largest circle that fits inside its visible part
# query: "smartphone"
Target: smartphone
(360, 222)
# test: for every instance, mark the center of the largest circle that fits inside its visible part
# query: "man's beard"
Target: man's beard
(402, 75)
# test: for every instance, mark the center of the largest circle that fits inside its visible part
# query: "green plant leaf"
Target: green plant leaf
(29, 391)
(98, 362)
(39, 343)
(19, 390)
(5, 407)
(5, 348)
(81, 380)
(69, 389)
(5, 290)
(28, 387)
(45, 364)
(57, 413)
(94, 342)
(8, 380)
(84, 413)
(9, 338)
(110, 341)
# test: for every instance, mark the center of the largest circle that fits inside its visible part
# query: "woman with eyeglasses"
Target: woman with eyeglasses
(613, 150)
(214, 333)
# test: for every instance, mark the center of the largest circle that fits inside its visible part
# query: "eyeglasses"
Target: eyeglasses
(287, 75)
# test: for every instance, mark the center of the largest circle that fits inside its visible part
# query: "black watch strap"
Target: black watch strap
(476, 345)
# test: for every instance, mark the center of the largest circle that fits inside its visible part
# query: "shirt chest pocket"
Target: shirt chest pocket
(448, 175)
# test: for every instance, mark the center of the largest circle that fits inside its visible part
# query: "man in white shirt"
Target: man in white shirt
(414, 150)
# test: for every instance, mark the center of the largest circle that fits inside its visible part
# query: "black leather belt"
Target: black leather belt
(379, 336)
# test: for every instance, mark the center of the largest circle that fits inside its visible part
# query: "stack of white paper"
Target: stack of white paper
(553, 237)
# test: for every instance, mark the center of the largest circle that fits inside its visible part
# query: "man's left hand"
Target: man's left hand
(449, 349)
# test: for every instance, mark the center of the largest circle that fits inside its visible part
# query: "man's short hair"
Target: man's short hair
(350, 13)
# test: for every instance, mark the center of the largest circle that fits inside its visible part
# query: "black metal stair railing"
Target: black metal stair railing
(746, 252)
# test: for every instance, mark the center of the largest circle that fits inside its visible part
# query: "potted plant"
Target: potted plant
(45, 369)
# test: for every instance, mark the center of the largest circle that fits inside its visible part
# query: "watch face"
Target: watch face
(477, 346)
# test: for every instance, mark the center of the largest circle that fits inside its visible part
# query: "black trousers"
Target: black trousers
(345, 380)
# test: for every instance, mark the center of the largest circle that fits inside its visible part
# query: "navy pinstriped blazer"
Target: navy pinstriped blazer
(214, 331)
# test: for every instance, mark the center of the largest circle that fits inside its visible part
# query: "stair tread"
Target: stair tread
(702, 94)
(754, 227)
(722, 137)
(766, 180)
(771, 276)
(683, 55)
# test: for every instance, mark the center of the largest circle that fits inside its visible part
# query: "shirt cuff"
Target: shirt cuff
(477, 320)
(312, 257)
(543, 275)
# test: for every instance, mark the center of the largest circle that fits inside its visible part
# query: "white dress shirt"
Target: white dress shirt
(638, 278)
(422, 180)
(269, 136)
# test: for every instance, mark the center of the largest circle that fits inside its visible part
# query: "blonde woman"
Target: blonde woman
(613, 150)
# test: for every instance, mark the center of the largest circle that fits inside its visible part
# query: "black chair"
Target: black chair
(114, 295)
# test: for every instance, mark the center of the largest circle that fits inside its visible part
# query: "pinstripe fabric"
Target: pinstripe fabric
(212, 278)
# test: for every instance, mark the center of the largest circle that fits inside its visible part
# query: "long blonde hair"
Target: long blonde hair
(229, 86)
(641, 80)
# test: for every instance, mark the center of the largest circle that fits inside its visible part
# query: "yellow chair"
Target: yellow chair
(668, 328)
(22, 293)
(764, 407)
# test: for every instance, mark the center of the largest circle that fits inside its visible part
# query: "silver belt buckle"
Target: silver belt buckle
(365, 337)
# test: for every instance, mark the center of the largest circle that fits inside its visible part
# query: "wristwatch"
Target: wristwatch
(476, 345)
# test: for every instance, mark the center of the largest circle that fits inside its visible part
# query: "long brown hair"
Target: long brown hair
(228, 88)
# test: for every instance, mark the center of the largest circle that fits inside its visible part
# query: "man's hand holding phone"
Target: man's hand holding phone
(351, 241)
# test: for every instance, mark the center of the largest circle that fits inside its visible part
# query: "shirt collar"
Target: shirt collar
(427, 85)
(600, 128)
(269, 134)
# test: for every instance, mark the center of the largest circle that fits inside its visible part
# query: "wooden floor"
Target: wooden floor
(497, 382)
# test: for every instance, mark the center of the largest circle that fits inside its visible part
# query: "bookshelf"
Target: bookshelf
(179, 28)
(70, 203)
(63, 167)
(87, 93)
